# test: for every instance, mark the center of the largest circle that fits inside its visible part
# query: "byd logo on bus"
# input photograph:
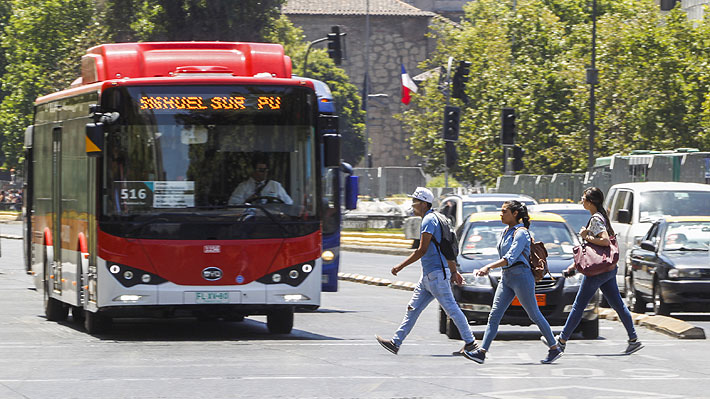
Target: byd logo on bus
(212, 273)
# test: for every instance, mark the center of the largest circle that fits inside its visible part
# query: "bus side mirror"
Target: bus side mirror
(351, 192)
(332, 150)
(94, 139)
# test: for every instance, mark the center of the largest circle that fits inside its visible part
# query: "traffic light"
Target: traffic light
(460, 79)
(451, 155)
(507, 131)
(335, 50)
(518, 163)
(667, 5)
(452, 115)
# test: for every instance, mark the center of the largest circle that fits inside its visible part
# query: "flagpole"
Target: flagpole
(366, 89)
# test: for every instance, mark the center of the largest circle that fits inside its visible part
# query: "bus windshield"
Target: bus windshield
(237, 154)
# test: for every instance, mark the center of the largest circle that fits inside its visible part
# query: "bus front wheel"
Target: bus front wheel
(280, 321)
(96, 323)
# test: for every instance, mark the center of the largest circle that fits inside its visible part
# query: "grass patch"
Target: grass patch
(388, 231)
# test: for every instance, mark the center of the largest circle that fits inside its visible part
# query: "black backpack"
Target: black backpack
(449, 246)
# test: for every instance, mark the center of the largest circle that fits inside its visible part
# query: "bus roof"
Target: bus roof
(155, 59)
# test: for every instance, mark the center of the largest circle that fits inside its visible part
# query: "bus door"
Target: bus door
(55, 267)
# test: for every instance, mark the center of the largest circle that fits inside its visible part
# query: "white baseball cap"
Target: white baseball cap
(423, 194)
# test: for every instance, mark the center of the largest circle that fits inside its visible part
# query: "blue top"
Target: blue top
(432, 259)
(515, 247)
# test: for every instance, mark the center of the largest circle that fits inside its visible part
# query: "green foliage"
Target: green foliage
(36, 38)
(43, 40)
(440, 181)
(653, 91)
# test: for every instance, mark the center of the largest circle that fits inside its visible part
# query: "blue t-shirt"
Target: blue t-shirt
(515, 247)
(432, 259)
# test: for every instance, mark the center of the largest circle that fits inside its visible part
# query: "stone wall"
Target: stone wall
(394, 40)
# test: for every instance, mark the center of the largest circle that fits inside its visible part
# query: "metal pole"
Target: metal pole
(592, 82)
(366, 89)
(447, 90)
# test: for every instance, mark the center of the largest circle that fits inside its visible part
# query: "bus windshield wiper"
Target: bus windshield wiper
(686, 249)
(160, 217)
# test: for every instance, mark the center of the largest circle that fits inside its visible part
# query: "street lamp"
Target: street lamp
(592, 80)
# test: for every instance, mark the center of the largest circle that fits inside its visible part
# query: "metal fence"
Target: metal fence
(388, 181)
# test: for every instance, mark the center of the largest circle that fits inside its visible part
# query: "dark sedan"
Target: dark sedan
(671, 267)
(554, 295)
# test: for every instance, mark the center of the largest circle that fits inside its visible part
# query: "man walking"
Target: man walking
(435, 280)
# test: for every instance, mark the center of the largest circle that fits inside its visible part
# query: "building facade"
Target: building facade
(397, 36)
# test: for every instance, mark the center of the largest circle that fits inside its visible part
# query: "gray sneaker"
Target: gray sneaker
(387, 344)
(552, 355)
(470, 347)
(633, 347)
(478, 356)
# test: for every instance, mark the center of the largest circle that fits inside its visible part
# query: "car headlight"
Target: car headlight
(574, 280)
(472, 280)
(685, 273)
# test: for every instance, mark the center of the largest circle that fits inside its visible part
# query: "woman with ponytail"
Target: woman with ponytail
(597, 232)
(517, 280)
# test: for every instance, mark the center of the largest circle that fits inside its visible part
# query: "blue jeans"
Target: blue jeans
(517, 281)
(431, 286)
(606, 282)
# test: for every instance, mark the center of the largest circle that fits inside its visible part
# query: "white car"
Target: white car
(574, 214)
(633, 207)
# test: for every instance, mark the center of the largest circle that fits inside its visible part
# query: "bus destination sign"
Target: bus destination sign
(253, 103)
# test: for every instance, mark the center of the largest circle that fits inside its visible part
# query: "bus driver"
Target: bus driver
(259, 186)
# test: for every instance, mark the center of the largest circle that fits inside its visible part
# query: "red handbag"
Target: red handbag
(591, 259)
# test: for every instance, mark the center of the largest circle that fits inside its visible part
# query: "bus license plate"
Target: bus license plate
(541, 300)
(212, 297)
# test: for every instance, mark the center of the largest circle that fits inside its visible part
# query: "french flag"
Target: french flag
(407, 86)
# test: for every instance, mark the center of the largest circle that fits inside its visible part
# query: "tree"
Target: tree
(653, 91)
(37, 37)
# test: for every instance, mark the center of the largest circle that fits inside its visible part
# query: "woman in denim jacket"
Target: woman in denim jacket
(517, 280)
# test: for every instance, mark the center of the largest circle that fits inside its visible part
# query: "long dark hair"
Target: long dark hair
(596, 197)
(517, 206)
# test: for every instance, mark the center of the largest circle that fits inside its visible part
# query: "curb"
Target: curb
(667, 325)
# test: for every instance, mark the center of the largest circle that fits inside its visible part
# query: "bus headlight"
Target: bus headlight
(127, 275)
(293, 275)
(327, 256)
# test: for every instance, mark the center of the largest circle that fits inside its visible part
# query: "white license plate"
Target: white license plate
(212, 297)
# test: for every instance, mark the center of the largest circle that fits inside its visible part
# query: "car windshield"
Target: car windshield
(688, 236)
(470, 208)
(575, 218)
(657, 204)
(482, 237)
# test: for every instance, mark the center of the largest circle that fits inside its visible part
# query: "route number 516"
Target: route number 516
(133, 193)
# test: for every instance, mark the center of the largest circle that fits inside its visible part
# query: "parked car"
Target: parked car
(458, 207)
(574, 214)
(671, 267)
(633, 207)
(555, 294)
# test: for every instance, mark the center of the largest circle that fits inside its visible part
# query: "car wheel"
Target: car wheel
(590, 328)
(442, 320)
(633, 299)
(451, 330)
(660, 307)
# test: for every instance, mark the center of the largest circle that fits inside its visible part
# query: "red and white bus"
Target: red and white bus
(131, 174)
